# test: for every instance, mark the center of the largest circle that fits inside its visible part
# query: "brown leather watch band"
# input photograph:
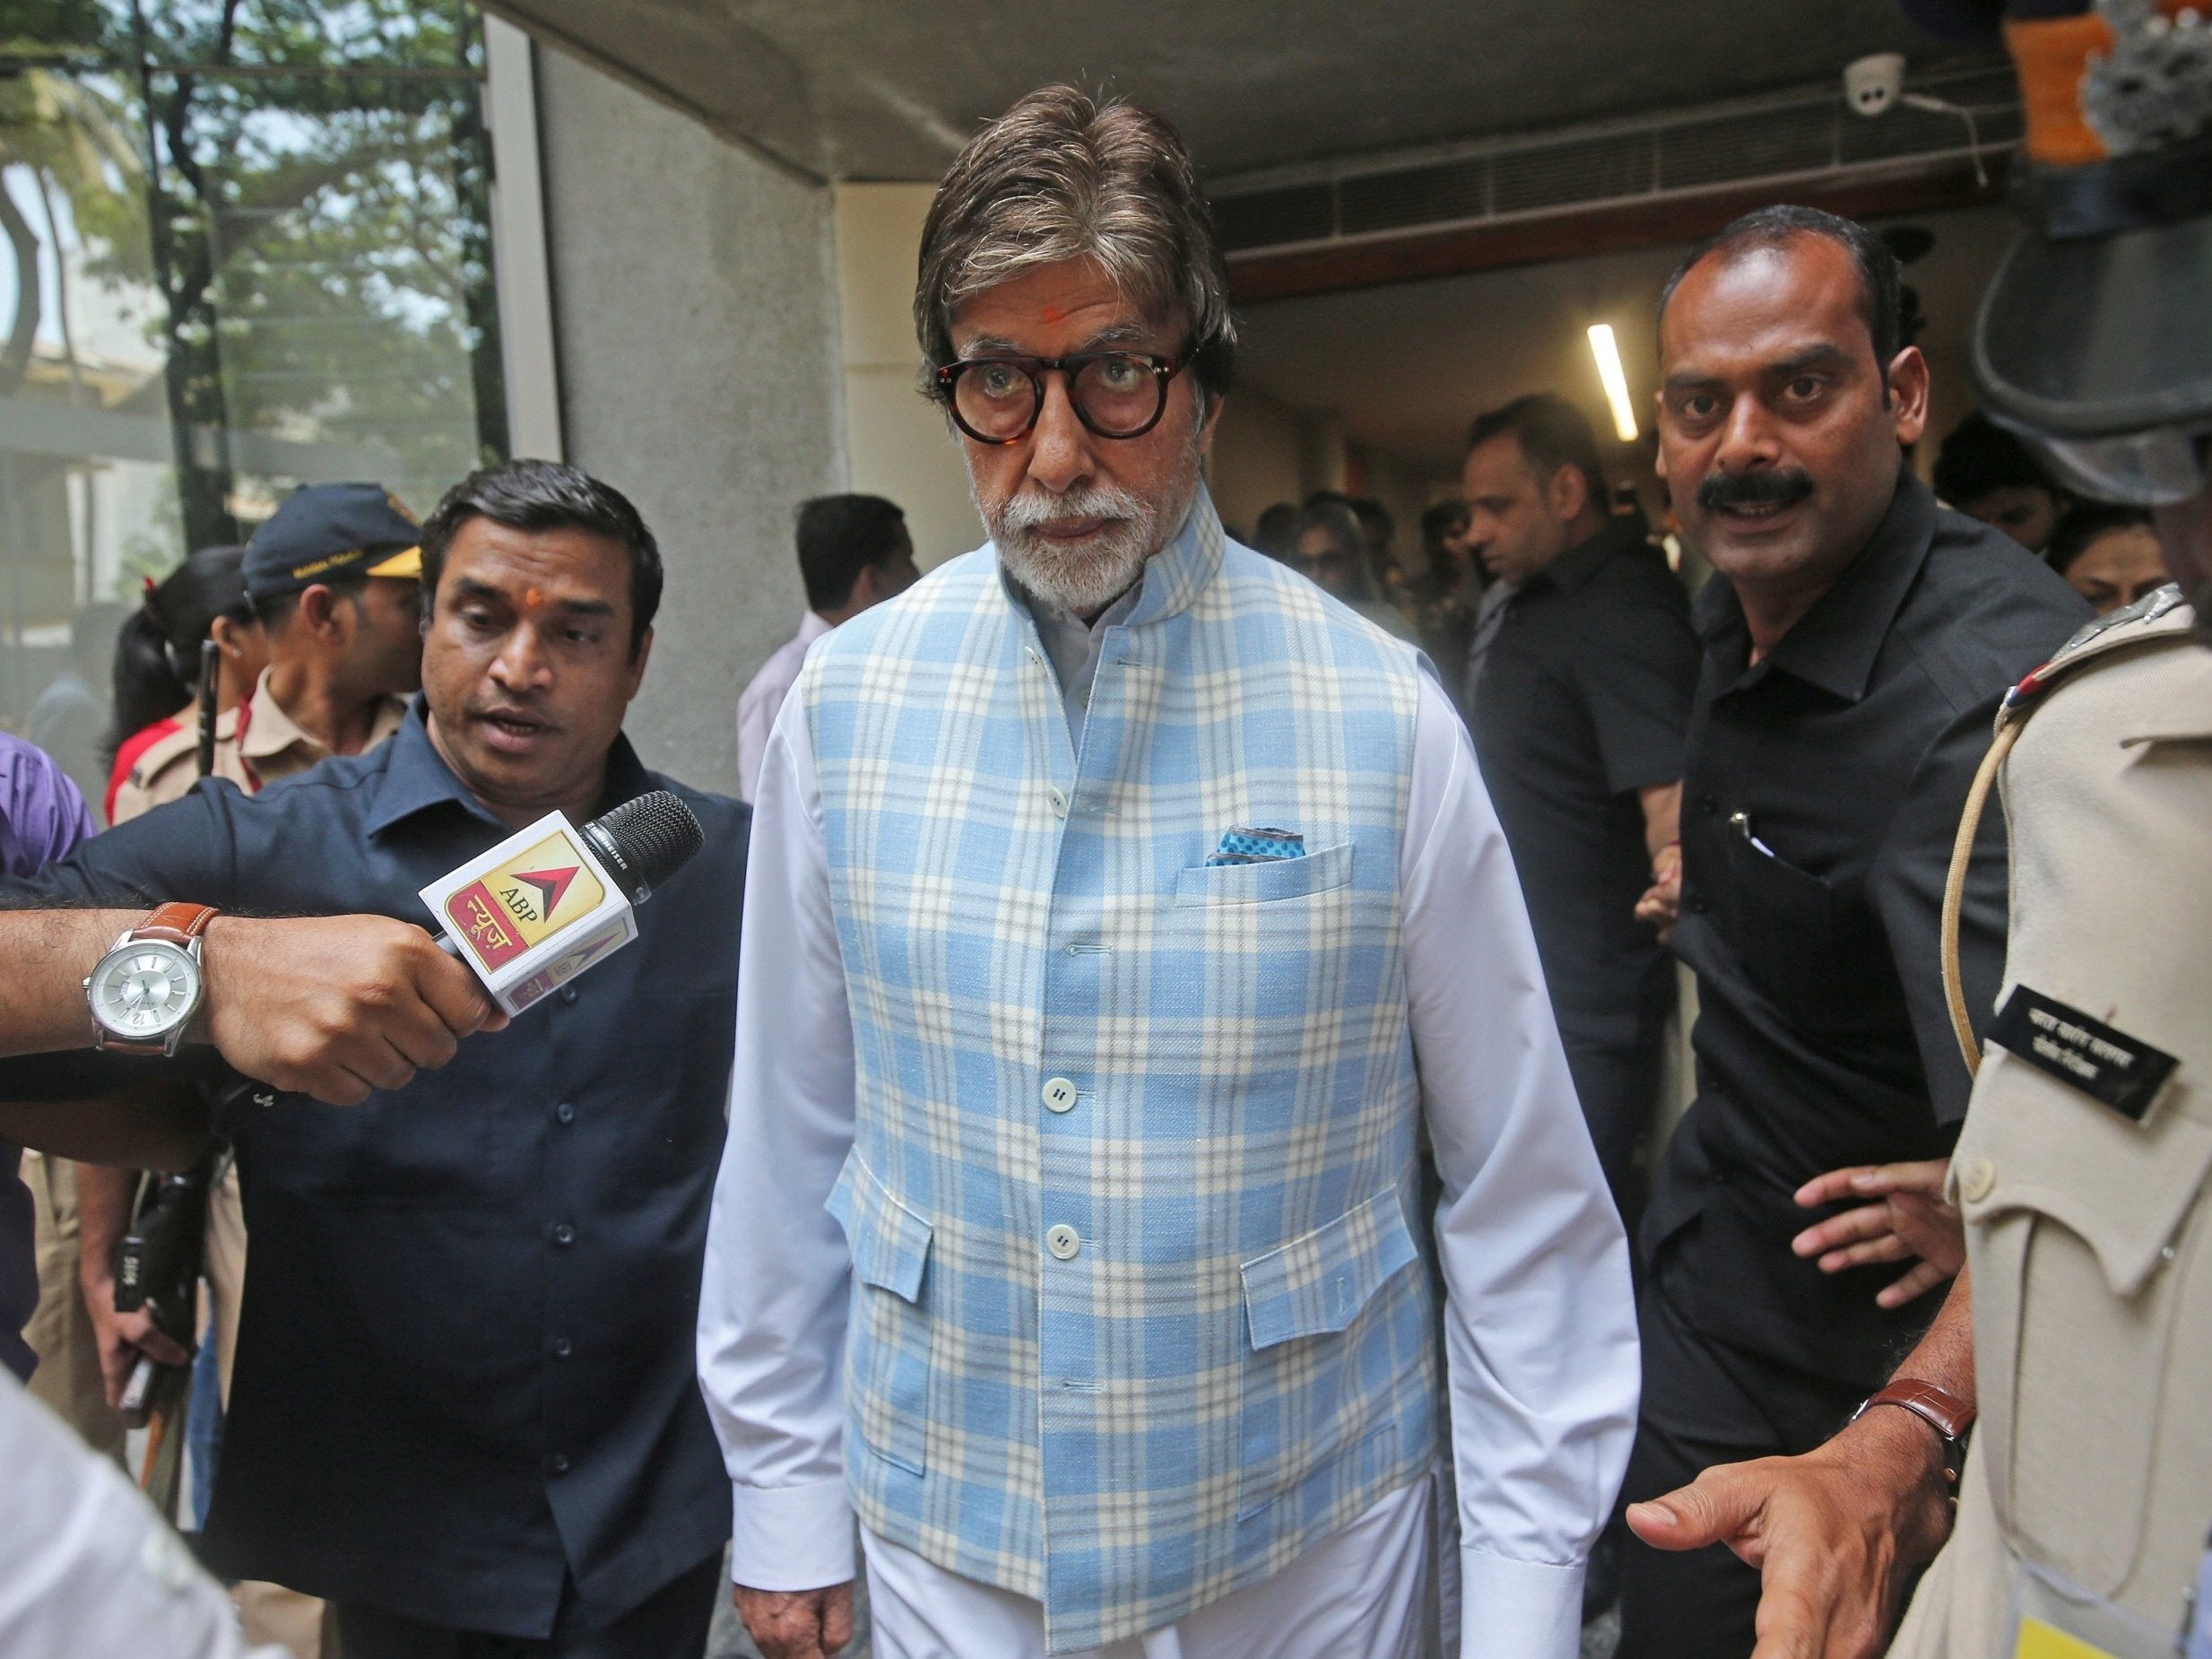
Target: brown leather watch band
(178, 924)
(1942, 1411)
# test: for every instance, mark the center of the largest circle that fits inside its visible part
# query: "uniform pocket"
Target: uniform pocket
(1302, 1307)
(2084, 1250)
(887, 1346)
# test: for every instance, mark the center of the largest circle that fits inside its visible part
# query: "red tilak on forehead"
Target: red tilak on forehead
(1053, 314)
(531, 599)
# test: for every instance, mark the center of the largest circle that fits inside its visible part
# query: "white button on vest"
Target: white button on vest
(1977, 1180)
(1060, 1094)
(1062, 1242)
(1059, 801)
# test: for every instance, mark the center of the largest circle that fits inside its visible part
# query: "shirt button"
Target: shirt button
(1062, 1242)
(558, 1463)
(1029, 651)
(1699, 906)
(1707, 805)
(564, 1113)
(1059, 801)
(1060, 1094)
(1977, 1180)
(562, 1348)
(568, 994)
(564, 1234)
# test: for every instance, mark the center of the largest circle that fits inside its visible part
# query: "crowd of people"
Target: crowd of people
(1140, 1132)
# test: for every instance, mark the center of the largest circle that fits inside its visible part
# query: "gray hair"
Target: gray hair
(1062, 176)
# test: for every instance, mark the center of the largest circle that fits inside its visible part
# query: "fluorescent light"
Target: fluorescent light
(1608, 354)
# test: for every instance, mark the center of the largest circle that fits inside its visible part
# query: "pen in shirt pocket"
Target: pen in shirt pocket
(1742, 823)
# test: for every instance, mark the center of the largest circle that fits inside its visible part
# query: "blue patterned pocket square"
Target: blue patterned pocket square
(1242, 846)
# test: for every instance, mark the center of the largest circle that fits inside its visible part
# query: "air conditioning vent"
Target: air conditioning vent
(1796, 137)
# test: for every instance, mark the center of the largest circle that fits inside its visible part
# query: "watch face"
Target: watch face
(145, 991)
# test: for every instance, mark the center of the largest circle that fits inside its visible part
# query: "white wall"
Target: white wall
(1258, 458)
(899, 443)
(696, 319)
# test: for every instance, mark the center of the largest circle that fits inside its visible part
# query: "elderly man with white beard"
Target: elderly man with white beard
(1128, 926)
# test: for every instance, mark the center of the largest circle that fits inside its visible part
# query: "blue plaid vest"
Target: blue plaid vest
(1136, 1315)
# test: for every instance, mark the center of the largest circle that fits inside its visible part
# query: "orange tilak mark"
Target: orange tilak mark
(1053, 314)
(531, 599)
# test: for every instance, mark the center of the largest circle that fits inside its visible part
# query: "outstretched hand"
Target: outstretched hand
(1904, 1218)
(1834, 1534)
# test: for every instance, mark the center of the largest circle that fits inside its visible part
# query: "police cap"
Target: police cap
(324, 531)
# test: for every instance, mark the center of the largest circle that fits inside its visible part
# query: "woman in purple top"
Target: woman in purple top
(42, 816)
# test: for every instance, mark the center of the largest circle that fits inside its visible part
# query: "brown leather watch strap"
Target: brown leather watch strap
(178, 924)
(1941, 1409)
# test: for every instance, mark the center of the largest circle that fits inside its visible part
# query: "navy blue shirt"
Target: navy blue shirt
(465, 1369)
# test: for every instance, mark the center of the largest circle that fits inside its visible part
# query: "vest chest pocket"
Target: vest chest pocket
(1304, 1306)
(887, 1353)
(1320, 871)
(2089, 1290)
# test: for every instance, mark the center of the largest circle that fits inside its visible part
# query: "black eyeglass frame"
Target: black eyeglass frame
(1163, 370)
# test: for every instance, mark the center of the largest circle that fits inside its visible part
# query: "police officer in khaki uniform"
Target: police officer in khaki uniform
(2084, 1172)
(334, 578)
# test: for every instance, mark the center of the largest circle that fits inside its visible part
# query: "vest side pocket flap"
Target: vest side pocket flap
(2124, 1189)
(1317, 1285)
(1277, 878)
(890, 1243)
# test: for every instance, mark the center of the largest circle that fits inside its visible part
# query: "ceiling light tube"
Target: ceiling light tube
(1607, 353)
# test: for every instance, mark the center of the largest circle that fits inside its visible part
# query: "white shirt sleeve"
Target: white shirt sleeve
(1539, 1322)
(87, 1569)
(757, 709)
(772, 1307)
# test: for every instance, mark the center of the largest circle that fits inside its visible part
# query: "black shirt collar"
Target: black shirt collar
(1580, 562)
(417, 778)
(1833, 645)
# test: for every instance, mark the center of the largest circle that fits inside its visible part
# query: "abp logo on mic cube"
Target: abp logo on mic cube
(536, 910)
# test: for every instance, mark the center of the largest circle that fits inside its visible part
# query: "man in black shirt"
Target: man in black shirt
(1857, 640)
(464, 1407)
(1578, 725)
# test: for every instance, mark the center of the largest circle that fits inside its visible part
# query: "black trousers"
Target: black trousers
(669, 1624)
(1706, 1403)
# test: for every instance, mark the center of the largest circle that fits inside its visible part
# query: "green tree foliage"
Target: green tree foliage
(306, 186)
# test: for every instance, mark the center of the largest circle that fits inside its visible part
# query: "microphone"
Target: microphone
(533, 913)
(552, 900)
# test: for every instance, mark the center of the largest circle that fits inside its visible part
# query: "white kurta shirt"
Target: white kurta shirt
(760, 702)
(87, 1569)
(1539, 1323)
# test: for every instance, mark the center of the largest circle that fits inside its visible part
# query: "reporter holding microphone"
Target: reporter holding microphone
(464, 1402)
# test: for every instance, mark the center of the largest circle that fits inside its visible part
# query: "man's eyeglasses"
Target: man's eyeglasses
(996, 400)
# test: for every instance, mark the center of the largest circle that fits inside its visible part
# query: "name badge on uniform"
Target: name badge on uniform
(2199, 1642)
(2105, 1064)
(2054, 1618)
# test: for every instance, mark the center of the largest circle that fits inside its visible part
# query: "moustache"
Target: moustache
(1026, 509)
(1721, 490)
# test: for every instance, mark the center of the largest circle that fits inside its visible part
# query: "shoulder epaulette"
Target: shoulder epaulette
(2157, 616)
(158, 755)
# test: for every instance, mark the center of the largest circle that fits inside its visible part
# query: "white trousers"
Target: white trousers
(1369, 1593)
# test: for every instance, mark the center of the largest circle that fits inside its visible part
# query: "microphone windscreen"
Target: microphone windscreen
(644, 841)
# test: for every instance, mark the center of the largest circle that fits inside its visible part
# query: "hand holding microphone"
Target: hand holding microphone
(337, 1007)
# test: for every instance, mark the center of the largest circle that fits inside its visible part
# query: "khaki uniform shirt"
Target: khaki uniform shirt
(2088, 1234)
(272, 746)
